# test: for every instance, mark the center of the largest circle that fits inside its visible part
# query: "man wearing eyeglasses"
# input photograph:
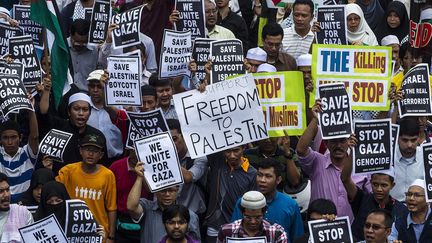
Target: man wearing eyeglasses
(417, 225)
(377, 226)
(253, 206)
(176, 221)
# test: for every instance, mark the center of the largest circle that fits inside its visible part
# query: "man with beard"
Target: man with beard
(12, 216)
(176, 221)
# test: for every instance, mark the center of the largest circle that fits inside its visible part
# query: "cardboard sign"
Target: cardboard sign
(45, 230)
(7, 32)
(373, 152)
(101, 14)
(201, 54)
(21, 48)
(144, 124)
(416, 92)
(14, 68)
(337, 231)
(13, 95)
(226, 115)
(191, 17)
(365, 71)
(395, 137)
(261, 239)
(127, 34)
(335, 120)
(80, 222)
(161, 162)
(21, 14)
(427, 162)
(227, 56)
(333, 25)
(123, 86)
(175, 54)
(54, 144)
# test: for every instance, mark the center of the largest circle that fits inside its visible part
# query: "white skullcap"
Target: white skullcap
(253, 200)
(426, 14)
(266, 68)
(419, 182)
(95, 75)
(212, 1)
(257, 54)
(4, 11)
(390, 40)
(389, 172)
(304, 60)
(79, 97)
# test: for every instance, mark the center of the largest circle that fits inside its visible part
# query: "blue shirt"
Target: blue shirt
(418, 228)
(282, 210)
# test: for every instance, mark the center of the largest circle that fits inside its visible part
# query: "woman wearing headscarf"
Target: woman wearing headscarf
(373, 13)
(358, 30)
(32, 196)
(395, 22)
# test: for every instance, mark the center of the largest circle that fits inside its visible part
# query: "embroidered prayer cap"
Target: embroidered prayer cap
(253, 200)
(257, 54)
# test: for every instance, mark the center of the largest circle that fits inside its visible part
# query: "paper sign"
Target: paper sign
(395, 137)
(80, 222)
(45, 230)
(337, 231)
(261, 239)
(227, 56)
(99, 21)
(13, 95)
(21, 14)
(201, 54)
(333, 25)
(427, 161)
(6, 32)
(127, 34)
(54, 144)
(175, 54)
(14, 68)
(191, 17)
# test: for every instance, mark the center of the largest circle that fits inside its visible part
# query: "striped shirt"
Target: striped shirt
(274, 233)
(19, 169)
(294, 44)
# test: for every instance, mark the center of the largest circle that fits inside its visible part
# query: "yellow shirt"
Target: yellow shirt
(398, 78)
(98, 190)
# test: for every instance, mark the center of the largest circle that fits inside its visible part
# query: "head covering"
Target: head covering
(93, 140)
(257, 54)
(4, 11)
(402, 30)
(419, 182)
(390, 40)
(50, 189)
(363, 32)
(79, 97)
(95, 75)
(148, 90)
(39, 177)
(389, 172)
(373, 13)
(304, 60)
(253, 200)
(266, 68)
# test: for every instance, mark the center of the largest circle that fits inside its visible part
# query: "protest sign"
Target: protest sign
(226, 115)
(6, 32)
(13, 68)
(427, 162)
(21, 14)
(88, 14)
(21, 48)
(101, 15)
(260, 239)
(416, 92)
(337, 231)
(373, 152)
(80, 222)
(227, 57)
(395, 137)
(365, 71)
(191, 17)
(123, 86)
(333, 25)
(420, 33)
(335, 120)
(54, 144)
(161, 162)
(127, 34)
(32, 209)
(143, 124)
(45, 230)
(175, 54)
(283, 101)
(201, 54)
(13, 95)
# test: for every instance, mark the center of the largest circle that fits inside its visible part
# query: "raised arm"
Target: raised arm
(349, 184)
(133, 205)
(310, 132)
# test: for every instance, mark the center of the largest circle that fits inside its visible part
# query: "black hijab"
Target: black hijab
(402, 30)
(39, 177)
(50, 189)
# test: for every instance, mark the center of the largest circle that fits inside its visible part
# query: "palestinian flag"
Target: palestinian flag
(278, 3)
(420, 34)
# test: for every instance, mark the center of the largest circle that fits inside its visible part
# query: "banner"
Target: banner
(123, 86)
(226, 115)
(7, 32)
(260, 239)
(175, 54)
(161, 163)
(101, 14)
(333, 25)
(191, 17)
(373, 152)
(13, 95)
(144, 124)
(427, 161)
(21, 48)
(127, 34)
(21, 14)
(335, 119)
(201, 54)
(54, 144)
(337, 231)
(81, 225)
(14, 68)
(227, 57)
(45, 230)
(416, 92)
(365, 70)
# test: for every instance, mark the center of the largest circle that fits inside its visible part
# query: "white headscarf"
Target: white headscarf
(364, 32)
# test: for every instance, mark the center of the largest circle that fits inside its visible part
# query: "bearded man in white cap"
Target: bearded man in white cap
(417, 225)
(253, 206)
